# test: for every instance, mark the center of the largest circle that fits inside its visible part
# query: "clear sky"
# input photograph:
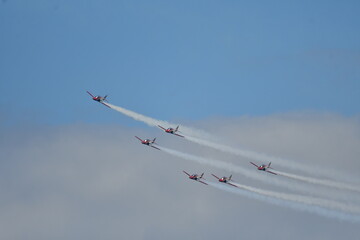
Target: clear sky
(178, 59)
(278, 78)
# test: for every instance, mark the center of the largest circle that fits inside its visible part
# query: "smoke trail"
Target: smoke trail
(282, 196)
(249, 174)
(303, 199)
(199, 137)
(291, 203)
(279, 161)
(138, 117)
(266, 158)
(324, 182)
(154, 122)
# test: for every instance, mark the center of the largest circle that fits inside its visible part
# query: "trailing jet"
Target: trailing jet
(264, 167)
(171, 130)
(196, 177)
(225, 180)
(99, 99)
(148, 142)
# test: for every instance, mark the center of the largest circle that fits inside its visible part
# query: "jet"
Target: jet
(225, 180)
(148, 142)
(99, 99)
(171, 130)
(264, 167)
(196, 177)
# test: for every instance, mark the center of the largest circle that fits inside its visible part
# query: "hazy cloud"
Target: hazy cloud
(98, 182)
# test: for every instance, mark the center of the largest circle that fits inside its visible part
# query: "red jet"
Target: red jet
(148, 142)
(264, 167)
(99, 98)
(225, 180)
(171, 130)
(196, 177)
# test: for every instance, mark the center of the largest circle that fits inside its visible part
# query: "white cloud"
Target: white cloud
(92, 182)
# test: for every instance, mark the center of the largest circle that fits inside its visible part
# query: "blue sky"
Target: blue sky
(178, 59)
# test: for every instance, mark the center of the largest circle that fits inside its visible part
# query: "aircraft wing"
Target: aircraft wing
(186, 173)
(155, 147)
(139, 138)
(271, 172)
(202, 182)
(232, 184)
(106, 104)
(178, 135)
(254, 164)
(90, 93)
(162, 127)
(215, 176)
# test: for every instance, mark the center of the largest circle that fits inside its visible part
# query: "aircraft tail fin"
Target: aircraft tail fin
(230, 177)
(269, 165)
(177, 128)
(202, 175)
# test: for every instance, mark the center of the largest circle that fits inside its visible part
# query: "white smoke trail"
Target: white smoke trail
(304, 199)
(291, 203)
(154, 122)
(199, 137)
(323, 182)
(138, 117)
(263, 158)
(252, 174)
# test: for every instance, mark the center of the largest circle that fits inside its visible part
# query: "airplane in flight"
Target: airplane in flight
(264, 167)
(148, 142)
(196, 177)
(171, 130)
(225, 180)
(99, 99)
